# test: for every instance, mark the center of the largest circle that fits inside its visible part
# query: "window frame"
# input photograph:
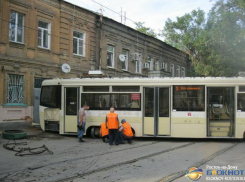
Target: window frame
(137, 65)
(126, 59)
(156, 65)
(172, 70)
(78, 45)
(16, 27)
(183, 72)
(112, 55)
(19, 88)
(42, 35)
(178, 70)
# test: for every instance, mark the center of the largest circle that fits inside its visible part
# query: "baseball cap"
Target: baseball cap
(123, 120)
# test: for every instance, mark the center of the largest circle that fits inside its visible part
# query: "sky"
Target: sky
(153, 12)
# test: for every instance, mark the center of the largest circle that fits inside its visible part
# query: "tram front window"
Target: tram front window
(51, 96)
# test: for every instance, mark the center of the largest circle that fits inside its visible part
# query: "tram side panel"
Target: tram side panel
(134, 118)
(188, 124)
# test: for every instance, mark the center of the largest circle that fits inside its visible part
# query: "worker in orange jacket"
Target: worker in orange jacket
(126, 132)
(104, 132)
(112, 123)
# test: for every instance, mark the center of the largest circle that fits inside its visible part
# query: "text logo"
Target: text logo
(194, 173)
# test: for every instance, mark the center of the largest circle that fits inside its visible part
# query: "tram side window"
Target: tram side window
(96, 101)
(189, 98)
(241, 102)
(51, 96)
(102, 101)
(126, 101)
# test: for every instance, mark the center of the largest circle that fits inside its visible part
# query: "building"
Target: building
(145, 56)
(38, 36)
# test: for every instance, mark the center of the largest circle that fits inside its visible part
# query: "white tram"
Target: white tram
(157, 107)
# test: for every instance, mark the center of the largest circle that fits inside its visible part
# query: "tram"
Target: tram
(154, 107)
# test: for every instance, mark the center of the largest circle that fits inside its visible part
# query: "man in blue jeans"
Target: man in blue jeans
(82, 123)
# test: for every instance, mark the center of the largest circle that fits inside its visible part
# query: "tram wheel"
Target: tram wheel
(14, 134)
(92, 132)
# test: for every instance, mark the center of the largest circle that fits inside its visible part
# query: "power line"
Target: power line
(113, 11)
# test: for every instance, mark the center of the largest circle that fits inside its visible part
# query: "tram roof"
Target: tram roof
(147, 81)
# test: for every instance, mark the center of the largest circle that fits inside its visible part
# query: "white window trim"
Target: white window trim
(183, 71)
(156, 66)
(49, 33)
(84, 43)
(126, 60)
(172, 70)
(166, 67)
(113, 56)
(178, 70)
(16, 28)
(136, 63)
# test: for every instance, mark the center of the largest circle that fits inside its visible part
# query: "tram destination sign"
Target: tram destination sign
(187, 88)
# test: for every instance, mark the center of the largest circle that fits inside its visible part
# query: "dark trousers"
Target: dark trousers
(104, 137)
(112, 136)
(125, 137)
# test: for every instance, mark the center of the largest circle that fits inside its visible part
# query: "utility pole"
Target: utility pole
(125, 18)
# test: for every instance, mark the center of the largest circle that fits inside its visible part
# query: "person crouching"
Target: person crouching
(126, 132)
(104, 132)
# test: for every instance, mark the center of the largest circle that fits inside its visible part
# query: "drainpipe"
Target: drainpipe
(100, 42)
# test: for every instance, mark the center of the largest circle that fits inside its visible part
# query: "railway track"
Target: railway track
(180, 174)
(90, 169)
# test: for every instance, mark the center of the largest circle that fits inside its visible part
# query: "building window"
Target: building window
(137, 67)
(16, 27)
(78, 43)
(15, 89)
(183, 71)
(172, 70)
(125, 63)
(150, 61)
(166, 67)
(110, 56)
(178, 71)
(43, 34)
(156, 66)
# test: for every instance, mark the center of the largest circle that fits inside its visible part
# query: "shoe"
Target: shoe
(81, 140)
(106, 140)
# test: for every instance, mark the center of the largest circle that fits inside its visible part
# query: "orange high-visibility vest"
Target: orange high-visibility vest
(103, 129)
(127, 129)
(112, 122)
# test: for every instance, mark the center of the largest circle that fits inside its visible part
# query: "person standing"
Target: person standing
(125, 132)
(82, 123)
(112, 123)
(104, 132)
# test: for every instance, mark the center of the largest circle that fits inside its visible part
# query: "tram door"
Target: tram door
(71, 109)
(156, 111)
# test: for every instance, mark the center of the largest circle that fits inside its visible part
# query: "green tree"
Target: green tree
(216, 45)
(146, 30)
